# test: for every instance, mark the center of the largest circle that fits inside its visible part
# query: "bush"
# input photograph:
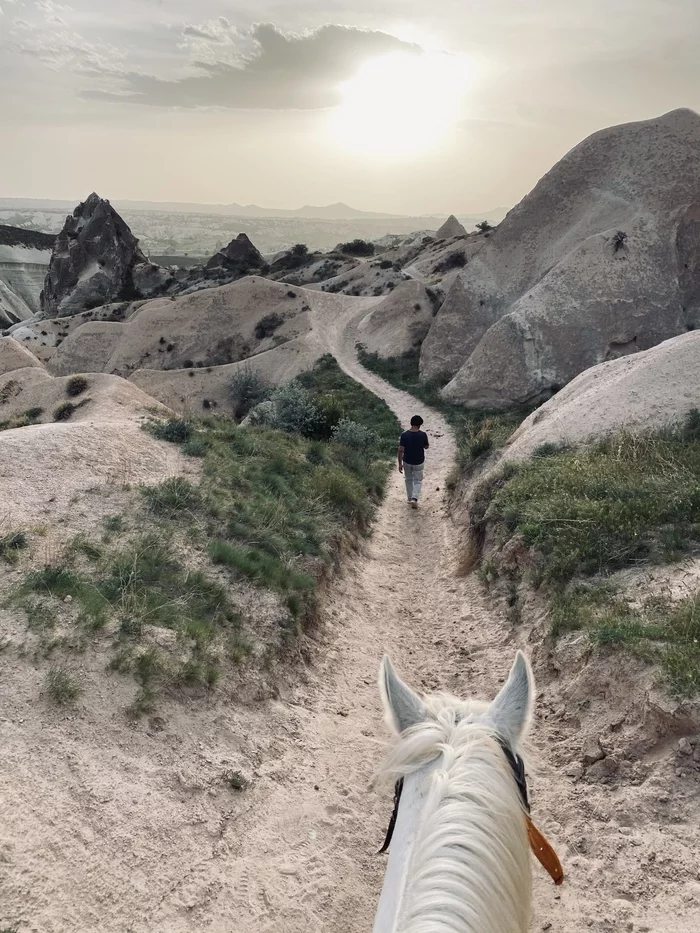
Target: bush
(358, 247)
(76, 386)
(11, 545)
(354, 435)
(176, 431)
(294, 412)
(484, 226)
(64, 411)
(386, 264)
(248, 389)
(267, 325)
(455, 260)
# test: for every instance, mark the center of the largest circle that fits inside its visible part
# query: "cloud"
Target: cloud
(282, 72)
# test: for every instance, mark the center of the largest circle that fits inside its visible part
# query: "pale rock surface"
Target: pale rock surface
(548, 294)
(24, 259)
(646, 391)
(212, 327)
(451, 228)
(398, 323)
(14, 356)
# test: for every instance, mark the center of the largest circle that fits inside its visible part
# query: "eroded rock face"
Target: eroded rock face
(239, 256)
(452, 227)
(93, 261)
(600, 260)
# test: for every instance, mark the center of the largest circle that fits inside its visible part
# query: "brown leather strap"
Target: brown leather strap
(544, 853)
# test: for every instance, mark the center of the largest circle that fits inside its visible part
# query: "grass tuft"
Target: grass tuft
(62, 687)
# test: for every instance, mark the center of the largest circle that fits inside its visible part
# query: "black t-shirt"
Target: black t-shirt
(414, 444)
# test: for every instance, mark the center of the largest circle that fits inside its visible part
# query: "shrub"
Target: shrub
(12, 544)
(176, 430)
(358, 247)
(248, 389)
(455, 260)
(354, 435)
(619, 240)
(267, 325)
(484, 226)
(386, 264)
(64, 411)
(76, 386)
(294, 412)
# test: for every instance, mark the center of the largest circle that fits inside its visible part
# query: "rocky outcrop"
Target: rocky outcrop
(648, 391)
(451, 228)
(600, 260)
(96, 259)
(240, 256)
(24, 259)
(14, 356)
(398, 323)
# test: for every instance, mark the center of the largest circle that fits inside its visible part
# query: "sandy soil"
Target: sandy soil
(131, 829)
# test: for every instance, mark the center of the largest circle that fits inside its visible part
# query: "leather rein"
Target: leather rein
(541, 848)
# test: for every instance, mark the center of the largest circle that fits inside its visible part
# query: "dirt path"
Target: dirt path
(145, 839)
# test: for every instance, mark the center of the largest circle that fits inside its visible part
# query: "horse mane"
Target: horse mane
(469, 871)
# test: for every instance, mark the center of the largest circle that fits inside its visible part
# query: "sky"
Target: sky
(406, 106)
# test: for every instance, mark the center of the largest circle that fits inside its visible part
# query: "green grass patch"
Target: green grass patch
(477, 432)
(625, 501)
(659, 630)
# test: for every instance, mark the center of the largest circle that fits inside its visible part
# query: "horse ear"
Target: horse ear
(511, 711)
(403, 708)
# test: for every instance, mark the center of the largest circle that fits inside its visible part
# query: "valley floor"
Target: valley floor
(144, 839)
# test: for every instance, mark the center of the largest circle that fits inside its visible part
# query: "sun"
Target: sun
(400, 105)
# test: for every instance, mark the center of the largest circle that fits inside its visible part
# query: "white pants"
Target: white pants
(413, 474)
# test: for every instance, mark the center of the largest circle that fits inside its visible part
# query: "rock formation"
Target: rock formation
(600, 260)
(96, 259)
(239, 256)
(24, 259)
(648, 391)
(451, 228)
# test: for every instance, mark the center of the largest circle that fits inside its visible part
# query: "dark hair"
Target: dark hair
(416, 421)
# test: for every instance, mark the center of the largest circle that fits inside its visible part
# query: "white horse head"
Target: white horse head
(460, 860)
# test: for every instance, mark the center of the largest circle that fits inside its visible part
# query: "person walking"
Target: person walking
(412, 447)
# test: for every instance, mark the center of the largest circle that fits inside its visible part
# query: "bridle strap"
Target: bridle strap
(398, 787)
(541, 848)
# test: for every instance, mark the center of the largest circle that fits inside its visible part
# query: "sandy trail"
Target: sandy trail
(141, 836)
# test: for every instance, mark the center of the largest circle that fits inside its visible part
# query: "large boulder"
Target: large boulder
(96, 259)
(648, 391)
(600, 260)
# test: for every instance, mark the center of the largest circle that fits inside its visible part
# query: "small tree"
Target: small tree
(248, 389)
(484, 226)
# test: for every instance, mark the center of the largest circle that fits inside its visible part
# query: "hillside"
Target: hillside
(583, 270)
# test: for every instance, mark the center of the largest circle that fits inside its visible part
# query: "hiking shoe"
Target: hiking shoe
(414, 503)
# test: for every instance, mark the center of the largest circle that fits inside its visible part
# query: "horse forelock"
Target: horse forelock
(470, 869)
